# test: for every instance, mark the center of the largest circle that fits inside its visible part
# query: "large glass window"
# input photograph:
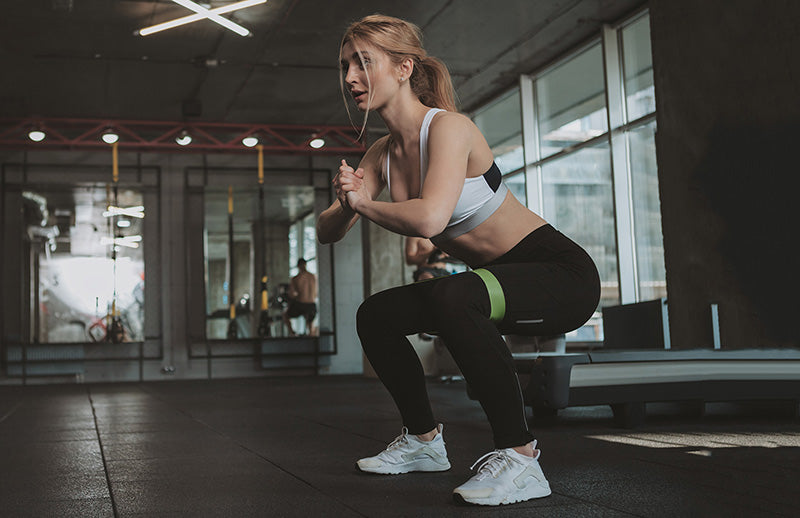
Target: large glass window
(645, 208)
(600, 187)
(578, 199)
(516, 184)
(570, 101)
(637, 60)
(647, 213)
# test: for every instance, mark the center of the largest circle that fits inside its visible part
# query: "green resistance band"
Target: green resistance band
(497, 300)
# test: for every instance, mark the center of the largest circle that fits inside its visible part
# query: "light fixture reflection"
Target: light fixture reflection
(132, 212)
(127, 241)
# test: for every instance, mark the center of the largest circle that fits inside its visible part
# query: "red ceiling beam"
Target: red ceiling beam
(221, 137)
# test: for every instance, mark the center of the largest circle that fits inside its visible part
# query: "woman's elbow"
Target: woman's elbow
(432, 226)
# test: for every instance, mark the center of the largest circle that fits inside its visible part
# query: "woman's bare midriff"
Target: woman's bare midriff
(510, 223)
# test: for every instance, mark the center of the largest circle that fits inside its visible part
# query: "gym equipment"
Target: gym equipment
(637, 365)
(233, 331)
(264, 329)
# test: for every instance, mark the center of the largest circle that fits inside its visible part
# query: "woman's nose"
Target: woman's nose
(350, 77)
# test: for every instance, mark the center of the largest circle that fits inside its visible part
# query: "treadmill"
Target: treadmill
(637, 365)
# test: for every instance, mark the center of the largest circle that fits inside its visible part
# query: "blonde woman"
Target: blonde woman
(527, 277)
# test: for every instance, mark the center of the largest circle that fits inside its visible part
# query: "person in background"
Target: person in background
(429, 260)
(302, 295)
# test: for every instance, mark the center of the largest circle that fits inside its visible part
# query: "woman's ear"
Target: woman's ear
(406, 69)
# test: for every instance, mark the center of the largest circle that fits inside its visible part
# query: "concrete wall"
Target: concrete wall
(727, 79)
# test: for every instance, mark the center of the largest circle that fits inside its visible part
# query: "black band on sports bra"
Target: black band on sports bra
(493, 177)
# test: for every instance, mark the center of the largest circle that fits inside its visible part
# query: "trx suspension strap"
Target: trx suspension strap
(497, 300)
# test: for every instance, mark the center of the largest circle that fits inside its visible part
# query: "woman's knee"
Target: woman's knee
(369, 313)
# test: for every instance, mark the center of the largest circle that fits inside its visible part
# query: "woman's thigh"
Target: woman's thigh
(404, 309)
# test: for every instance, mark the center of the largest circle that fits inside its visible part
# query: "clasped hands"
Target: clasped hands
(351, 191)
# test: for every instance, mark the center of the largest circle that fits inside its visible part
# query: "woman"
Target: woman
(528, 278)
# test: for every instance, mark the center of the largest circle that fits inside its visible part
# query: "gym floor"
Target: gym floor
(287, 447)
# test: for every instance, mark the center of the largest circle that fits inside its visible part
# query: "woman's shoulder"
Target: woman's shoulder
(451, 121)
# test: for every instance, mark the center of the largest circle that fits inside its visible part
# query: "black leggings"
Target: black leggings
(550, 286)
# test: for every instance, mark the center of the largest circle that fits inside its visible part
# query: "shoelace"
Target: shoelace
(399, 440)
(495, 463)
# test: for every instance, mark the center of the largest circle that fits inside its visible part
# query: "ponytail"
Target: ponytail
(432, 83)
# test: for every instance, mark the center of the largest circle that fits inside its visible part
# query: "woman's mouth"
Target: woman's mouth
(358, 96)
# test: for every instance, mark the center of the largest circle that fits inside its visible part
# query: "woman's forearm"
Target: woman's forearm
(334, 223)
(415, 217)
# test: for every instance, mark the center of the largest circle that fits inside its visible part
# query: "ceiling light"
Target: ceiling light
(250, 141)
(123, 223)
(235, 27)
(317, 143)
(195, 17)
(110, 136)
(184, 139)
(36, 135)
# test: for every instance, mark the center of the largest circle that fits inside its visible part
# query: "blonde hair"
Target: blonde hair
(430, 80)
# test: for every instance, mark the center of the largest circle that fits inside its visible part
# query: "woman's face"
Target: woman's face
(373, 91)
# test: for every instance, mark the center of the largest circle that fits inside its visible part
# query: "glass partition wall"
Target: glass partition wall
(88, 281)
(76, 291)
(253, 239)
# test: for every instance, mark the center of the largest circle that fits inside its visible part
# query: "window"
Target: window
(501, 124)
(637, 64)
(599, 187)
(570, 101)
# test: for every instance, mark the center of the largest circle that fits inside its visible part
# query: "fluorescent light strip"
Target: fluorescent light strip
(235, 27)
(195, 17)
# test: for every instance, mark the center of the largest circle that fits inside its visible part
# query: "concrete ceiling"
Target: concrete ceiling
(80, 58)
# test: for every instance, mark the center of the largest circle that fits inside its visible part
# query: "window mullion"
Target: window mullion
(530, 146)
(620, 168)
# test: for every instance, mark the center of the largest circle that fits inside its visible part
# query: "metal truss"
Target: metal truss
(85, 134)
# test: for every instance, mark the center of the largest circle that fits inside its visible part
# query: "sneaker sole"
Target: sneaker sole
(419, 467)
(523, 495)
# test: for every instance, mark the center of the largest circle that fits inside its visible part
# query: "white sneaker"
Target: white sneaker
(505, 477)
(406, 454)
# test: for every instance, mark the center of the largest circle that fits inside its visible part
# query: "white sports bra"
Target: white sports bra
(480, 196)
